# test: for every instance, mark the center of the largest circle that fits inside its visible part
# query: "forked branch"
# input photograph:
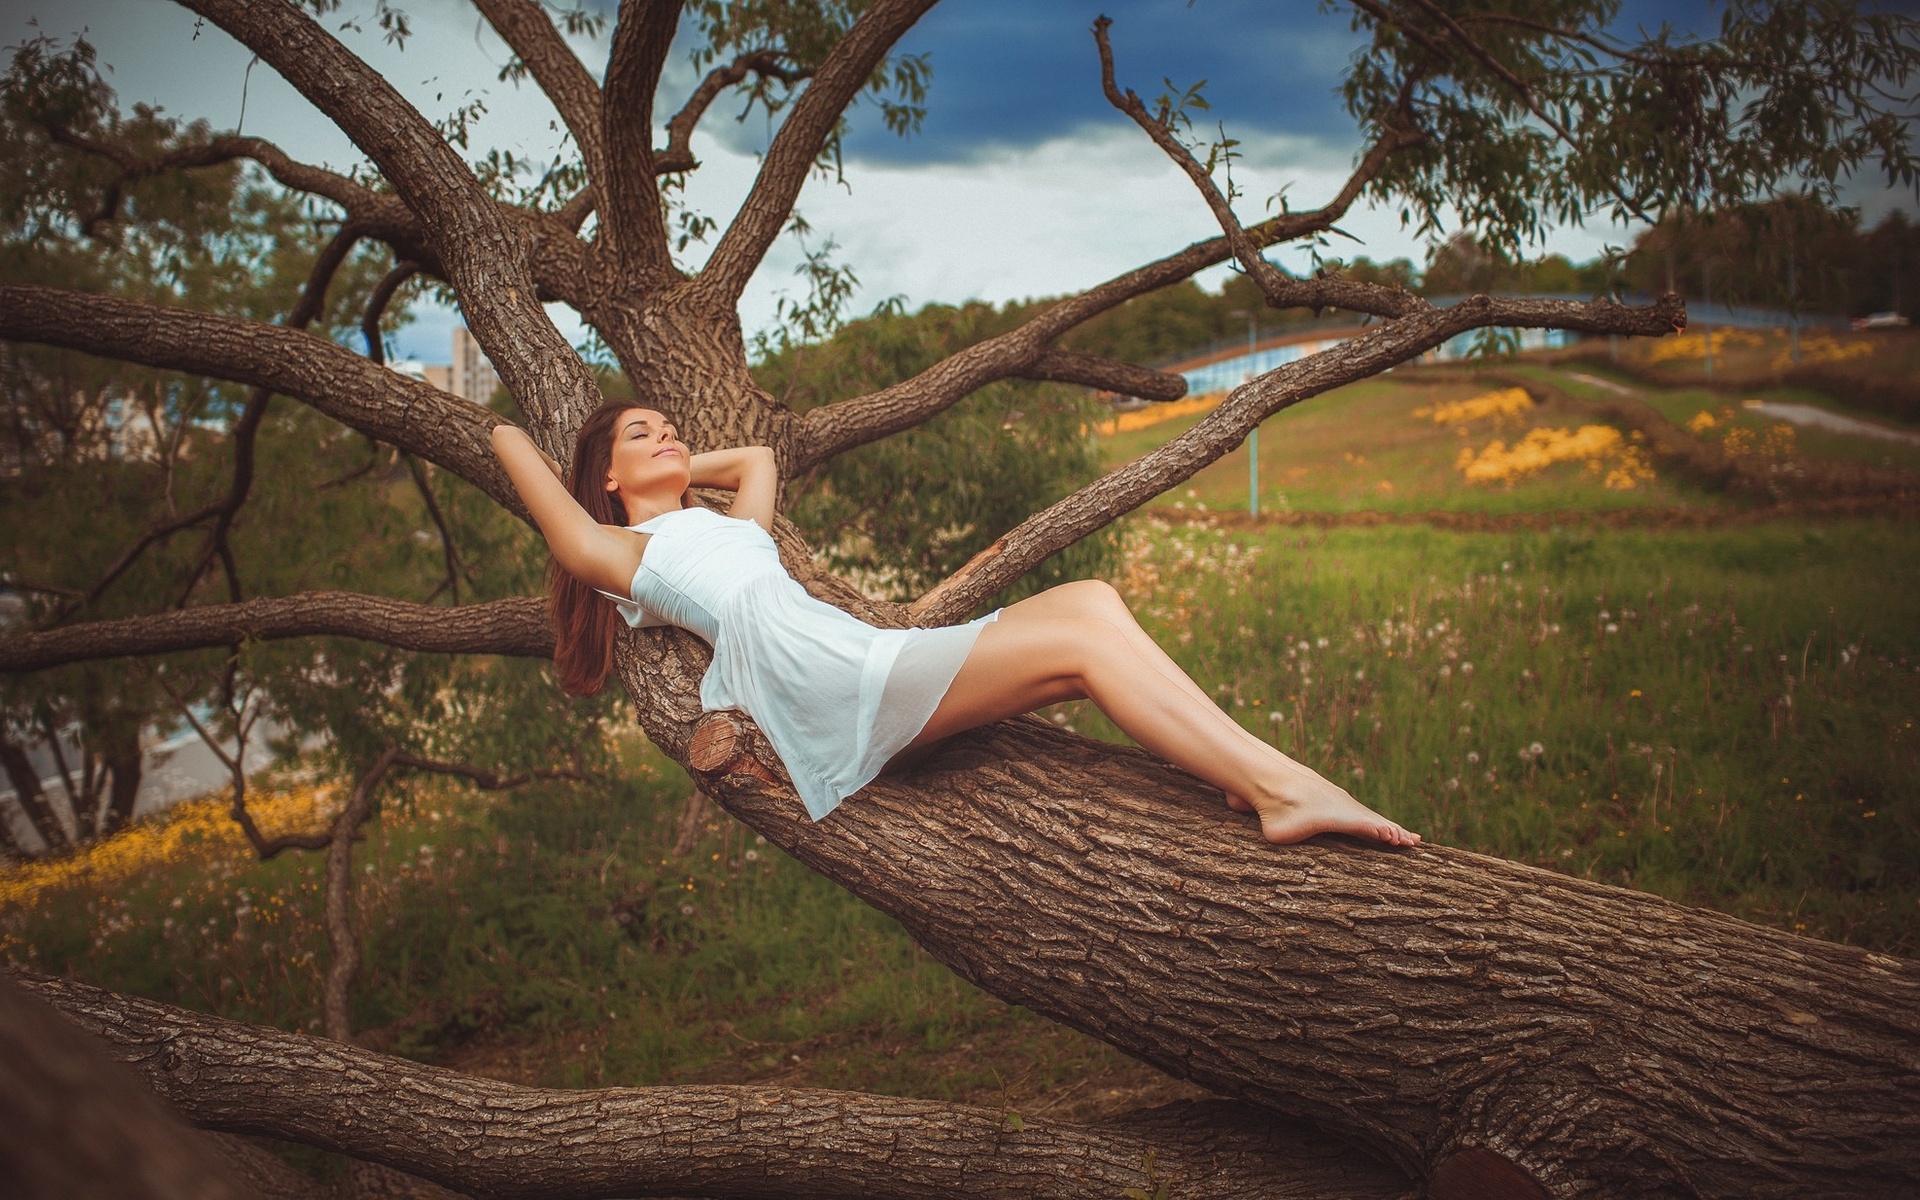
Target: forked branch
(487, 257)
(836, 428)
(1280, 290)
(1364, 357)
(678, 153)
(312, 302)
(356, 198)
(343, 944)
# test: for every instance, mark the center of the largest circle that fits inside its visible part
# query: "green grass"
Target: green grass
(1361, 448)
(545, 937)
(1726, 717)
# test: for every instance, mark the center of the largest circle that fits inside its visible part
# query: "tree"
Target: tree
(1483, 1027)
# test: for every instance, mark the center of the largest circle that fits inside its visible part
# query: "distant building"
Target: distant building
(469, 376)
(472, 375)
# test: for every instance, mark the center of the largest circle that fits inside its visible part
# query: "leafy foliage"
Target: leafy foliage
(97, 453)
(1534, 114)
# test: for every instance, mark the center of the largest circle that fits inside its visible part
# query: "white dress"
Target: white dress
(836, 697)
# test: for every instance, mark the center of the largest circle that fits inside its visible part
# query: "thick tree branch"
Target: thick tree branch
(1107, 374)
(1123, 490)
(556, 69)
(487, 258)
(836, 428)
(838, 80)
(487, 1138)
(678, 153)
(380, 403)
(633, 224)
(516, 626)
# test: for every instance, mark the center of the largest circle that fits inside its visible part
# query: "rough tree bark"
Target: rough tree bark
(76, 1125)
(1486, 1028)
(487, 1138)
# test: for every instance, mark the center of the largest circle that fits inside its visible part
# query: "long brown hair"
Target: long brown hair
(584, 621)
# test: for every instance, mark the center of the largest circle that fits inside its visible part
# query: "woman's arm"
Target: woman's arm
(597, 555)
(749, 472)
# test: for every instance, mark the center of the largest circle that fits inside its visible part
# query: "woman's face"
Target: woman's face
(647, 456)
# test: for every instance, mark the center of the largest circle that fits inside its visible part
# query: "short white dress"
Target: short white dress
(836, 697)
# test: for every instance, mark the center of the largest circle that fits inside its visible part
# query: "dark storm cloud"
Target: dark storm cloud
(1014, 73)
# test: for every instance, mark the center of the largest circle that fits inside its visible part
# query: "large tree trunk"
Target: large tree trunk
(124, 763)
(690, 362)
(1470, 1019)
(487, 1138)
(76, 1125)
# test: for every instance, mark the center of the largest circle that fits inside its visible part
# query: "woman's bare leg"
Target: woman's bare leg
(1048, 649)
(1096, 598)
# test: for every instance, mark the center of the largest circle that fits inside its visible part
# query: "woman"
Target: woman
(840, 700)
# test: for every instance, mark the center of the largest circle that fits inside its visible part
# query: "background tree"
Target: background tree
(1610, 1043)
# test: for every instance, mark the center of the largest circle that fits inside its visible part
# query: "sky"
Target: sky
(1022, 182)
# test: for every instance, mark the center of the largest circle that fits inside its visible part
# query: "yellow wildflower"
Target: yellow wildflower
(1507, 402)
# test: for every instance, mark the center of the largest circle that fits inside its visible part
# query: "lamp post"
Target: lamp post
(1253, 439)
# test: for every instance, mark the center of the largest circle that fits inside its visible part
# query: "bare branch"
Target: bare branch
(1280, 290)
(263, 847)
(835, 428)
(516, 626)
(343, 959)
(556, 68)
(487, 257)
(678, 154)
(689, 1140)
(450, 583)
(382, 404)
(377, 307)
(791, 156)
(1125, 489)
(631, 218)
(1107, 374)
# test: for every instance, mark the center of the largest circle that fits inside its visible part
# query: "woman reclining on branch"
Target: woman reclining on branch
(838, 699)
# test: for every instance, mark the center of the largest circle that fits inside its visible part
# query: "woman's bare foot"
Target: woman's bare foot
(1306, 805)
(1239, 803)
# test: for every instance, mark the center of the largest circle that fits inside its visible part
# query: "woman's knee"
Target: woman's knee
(1093, 597)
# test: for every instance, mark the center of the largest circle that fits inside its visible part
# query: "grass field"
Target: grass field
(1724, 715)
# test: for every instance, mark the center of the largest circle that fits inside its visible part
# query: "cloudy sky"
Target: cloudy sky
(1023, 181)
